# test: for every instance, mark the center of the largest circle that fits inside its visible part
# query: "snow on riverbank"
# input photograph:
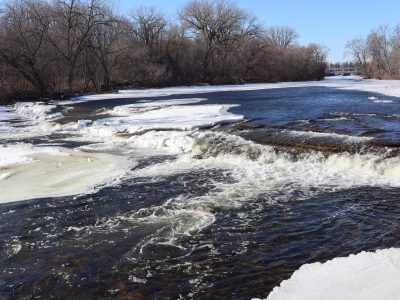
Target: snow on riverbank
(365, 276)
(384, 87)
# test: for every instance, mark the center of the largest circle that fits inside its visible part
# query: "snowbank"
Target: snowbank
(365, 276)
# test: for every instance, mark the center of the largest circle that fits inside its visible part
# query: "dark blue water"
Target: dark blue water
(319, 109)
(107, 244)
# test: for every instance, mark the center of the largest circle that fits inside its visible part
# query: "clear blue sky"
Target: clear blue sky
(328, 22)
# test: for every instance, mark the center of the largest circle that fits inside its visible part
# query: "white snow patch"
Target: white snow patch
(167, 118)
(19, 154)
(365, 276)
(131, 109)
(29, 172)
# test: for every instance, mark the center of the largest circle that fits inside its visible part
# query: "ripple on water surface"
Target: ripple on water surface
(195, 213)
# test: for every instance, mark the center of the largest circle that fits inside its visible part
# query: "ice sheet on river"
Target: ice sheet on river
(29, 172)
(384, 87)
(365, 276)
(166, 118)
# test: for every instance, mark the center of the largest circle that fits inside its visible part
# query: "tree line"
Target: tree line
(63, 47)
(378, 54)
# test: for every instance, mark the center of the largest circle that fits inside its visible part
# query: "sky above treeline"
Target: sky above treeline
(327, 22)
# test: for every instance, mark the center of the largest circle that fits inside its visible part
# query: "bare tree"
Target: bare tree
(358, 49)
(24, 29)
(379, 46)
(74, 23)
(105, 43)
(281, 36)
(57, 46)
(216, 24)
(148, 26)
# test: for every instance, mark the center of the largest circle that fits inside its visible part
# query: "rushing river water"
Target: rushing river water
(218, 195)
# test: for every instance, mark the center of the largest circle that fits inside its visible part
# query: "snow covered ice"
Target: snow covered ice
(365, 276)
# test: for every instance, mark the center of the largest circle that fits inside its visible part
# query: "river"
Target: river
(195, 193)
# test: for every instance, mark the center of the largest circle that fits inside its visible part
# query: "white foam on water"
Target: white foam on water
(6, 113)
(258, 170)
(266, 169)
(171, 142)
(35, 111)
(30, 172)
(34, 119)
(252, 170)
(342, 137)
(383, 101)
(134, 279)
(365, 276)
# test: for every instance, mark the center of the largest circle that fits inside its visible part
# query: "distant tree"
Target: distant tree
(379, 46)
(216, 24)
(358, 49)
(24, 29)
(281, 36)
(74, 21)
(149, 26)
(51, 47)
(105, 43)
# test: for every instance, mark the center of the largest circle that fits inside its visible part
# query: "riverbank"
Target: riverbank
(33, 97)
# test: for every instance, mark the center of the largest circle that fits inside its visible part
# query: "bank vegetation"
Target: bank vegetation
(378, 54)
(64, 47)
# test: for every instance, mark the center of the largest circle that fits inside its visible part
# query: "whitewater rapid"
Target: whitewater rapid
(111, 143)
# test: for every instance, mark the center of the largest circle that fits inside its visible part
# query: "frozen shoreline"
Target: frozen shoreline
(384, 87)
(364, 276)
